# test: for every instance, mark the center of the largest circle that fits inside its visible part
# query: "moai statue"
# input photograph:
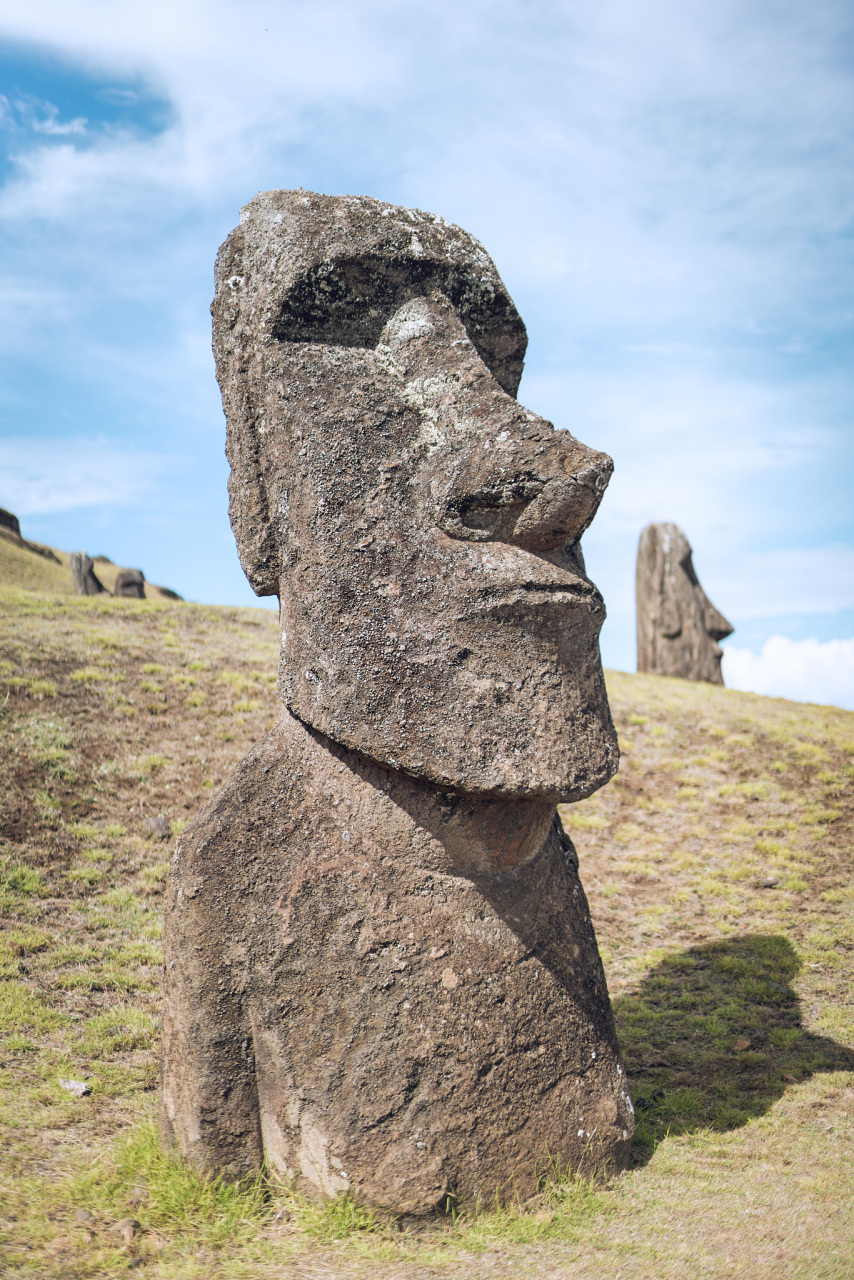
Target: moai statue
(10, 521)
(130, 583)
(381, 972)
(83, 575)
(678, 626)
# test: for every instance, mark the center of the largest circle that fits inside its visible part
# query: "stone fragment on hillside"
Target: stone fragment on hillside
(130, 583)
(124, 1230)
(381, 973)
(9, 521)
(10, 529)
(158, 827)
(79, 1088)
(83, 575)
(678, 627)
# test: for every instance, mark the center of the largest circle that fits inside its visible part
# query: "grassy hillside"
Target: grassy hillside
(24, 568)
(719, 870)
(21, 567)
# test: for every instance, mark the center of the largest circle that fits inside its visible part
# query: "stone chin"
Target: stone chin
(507, 699)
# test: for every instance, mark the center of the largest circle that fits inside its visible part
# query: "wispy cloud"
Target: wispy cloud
(52, 476)
(667, 188)
(57, 128)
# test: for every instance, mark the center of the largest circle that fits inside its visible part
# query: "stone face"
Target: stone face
(418, 524)
(158, 828)
(678, 626)
(381, 973)
(83, 575)
(130, 583)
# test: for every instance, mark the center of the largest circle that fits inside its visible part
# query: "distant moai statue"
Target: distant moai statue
(10, 521)
(83, 575)
(381, 975)
(130, 583)
(678, 626)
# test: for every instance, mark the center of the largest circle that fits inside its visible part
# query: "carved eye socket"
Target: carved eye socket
(348, 302)
(687, 563)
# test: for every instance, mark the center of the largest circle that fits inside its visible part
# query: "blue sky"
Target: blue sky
(667, 188)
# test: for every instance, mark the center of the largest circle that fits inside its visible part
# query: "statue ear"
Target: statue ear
(671, 617)
(256, 528)
(253, 515)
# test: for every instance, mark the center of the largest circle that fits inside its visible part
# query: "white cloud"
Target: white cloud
(668, 189)
(45, 477)
(754, 472)
(804, 670)
(51, 125)
(56, 129)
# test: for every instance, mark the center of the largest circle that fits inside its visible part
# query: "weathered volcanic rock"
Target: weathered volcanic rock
(678, 626)
(381, 972)
(374, 1003)
(130, 583)
(83, 575)
(10, 529)
(9, 521)
(158, 828)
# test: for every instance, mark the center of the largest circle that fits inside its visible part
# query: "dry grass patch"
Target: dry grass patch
(719, 871)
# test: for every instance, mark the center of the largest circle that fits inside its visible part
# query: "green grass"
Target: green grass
(734, 1002)
(335, 1219)
(16, 878)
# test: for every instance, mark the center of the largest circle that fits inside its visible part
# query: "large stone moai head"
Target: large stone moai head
(380, 971)
(419, 525)
(678, 626)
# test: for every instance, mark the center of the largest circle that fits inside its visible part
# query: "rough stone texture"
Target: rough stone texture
(83, 575)
(420, 526)
(678, 626)
(130, 583)
(374, 1002)
(79, 1088)
(9, 521)
(10, 529)
(158, 828)
(380, 967)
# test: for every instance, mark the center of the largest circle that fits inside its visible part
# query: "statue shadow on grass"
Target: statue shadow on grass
(713, 1037)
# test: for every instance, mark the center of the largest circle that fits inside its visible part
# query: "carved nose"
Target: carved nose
(501, 474)
(714, 621)
(534, 495)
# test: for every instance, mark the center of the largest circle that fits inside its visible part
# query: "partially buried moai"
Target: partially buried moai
(381, 973)
(678, 626)
(83, 575)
